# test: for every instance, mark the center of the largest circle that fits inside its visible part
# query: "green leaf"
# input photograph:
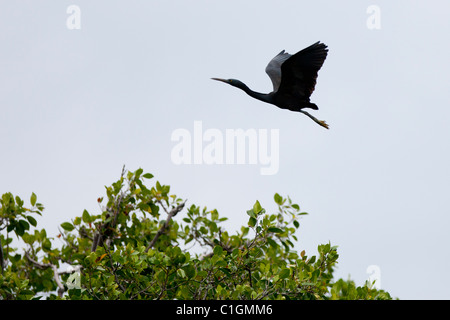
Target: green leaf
(272, 243)
(218, 250)
(33, 199)
(24, 224)
(28, 238)
(19, 201)
(274, 230)
(181, 273)
(86, 217)
(220, 263)
(257, 207)
(284, 273)
(278, 199)
(252, 222)
(154, 209)
(244, 230)
(226, 271)
(67, 226)
(189, 270)
(77, 221)
(32, 221)
(214, 215)
(139, 172)
(148, 176)
(19, 230)
(46, 244)
(296, 224)
(15, 258)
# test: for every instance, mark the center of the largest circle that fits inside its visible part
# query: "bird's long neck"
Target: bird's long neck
(257, 95)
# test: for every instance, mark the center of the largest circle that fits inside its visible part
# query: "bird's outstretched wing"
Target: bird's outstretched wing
(299, 72)
(273, 69)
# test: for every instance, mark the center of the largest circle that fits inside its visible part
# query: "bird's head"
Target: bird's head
(232, 82)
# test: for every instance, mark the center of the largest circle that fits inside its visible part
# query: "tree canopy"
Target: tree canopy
(147, 243)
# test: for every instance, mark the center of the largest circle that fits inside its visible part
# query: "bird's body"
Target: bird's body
(293, 77)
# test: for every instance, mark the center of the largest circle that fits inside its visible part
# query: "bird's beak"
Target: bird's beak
(219, 79)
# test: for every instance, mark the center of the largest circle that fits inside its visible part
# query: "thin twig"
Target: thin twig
(98, 236)
(162, 205)
(114, 269)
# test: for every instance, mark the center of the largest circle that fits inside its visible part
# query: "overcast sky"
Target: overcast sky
(83, 95)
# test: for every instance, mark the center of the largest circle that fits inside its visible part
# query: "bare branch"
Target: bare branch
(170, 215)
(2, 261)
(55, 272)
(95, 241)
(99, 237)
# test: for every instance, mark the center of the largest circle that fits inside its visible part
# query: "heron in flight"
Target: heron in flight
(293, 78)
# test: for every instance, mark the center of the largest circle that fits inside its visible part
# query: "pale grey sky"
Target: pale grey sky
(77, 104)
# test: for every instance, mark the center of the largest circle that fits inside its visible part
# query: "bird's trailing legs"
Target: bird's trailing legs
(319, 122)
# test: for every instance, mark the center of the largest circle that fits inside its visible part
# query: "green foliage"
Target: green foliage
(138, 247)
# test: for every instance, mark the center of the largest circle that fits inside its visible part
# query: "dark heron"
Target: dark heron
(293, 78)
